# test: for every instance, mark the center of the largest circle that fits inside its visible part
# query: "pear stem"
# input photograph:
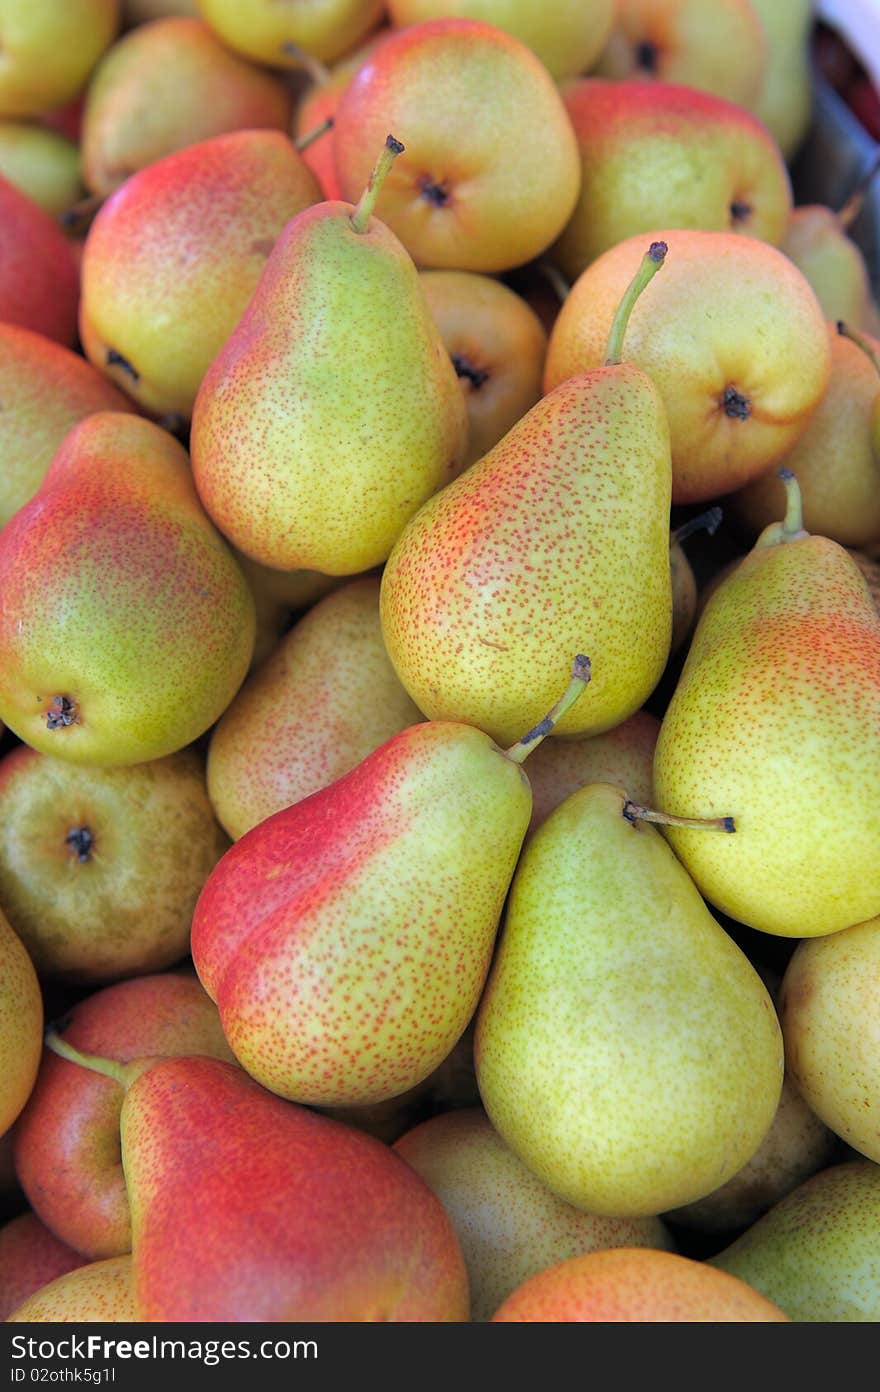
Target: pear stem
(650, 264)
(708, 521)
(555, 279)
(634, 812)
(861, 342)
(109, 1067)
(793, 522)
(304, 141)
(847, 215)
(313, 67)
(367, 201)
(580, 676)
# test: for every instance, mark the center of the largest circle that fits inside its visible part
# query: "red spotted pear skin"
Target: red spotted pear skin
(556, 541)
(346, 939)
(174, 255)
(30, 1257)
(126, 626)
(246, 1208)
(39, 275)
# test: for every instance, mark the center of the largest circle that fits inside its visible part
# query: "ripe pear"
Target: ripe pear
(733, 337)
(333, 665)
(165, 85)
(320, 101)
(101, 1292)
(508, 1223)
(30, 1257)
(567, 36)
(100, 869)
(45, 389)
(720, 48)
(637, 1287)
(346, 939)
(67, 1138)
(39, 275)
(656, 154)
(816, 241)
(266, 32)
(830, 1014)
(557, 539)
(817, 1252)
(613, 984)
(774, 721)
(837, 459)
(785, 99)
(115, 543)
(303, 454)
(491, 171)
(497, 345)
(21, 1024)
(50, 49)
(152, 319)
(42, 163)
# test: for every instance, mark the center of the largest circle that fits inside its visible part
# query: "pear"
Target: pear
(125, 625)
(45, 389)
(67, 1138)
(623, 755)
(49, 51)
(301, 389)
(635, 1287)
(320, 101)
(830, 1015)
(818, 243)
(557, 539)
(266, 32)
(39, 275)
(774, 722)
(30, 1257)
(165, 85)
(280, 597)
(154, 319)
(817, 1252)
(346, 939)
(785, 99)
(42, 163)
(508, 1223)
(21, 1024)
(100, 1292)
(613, 984)
(333, 665)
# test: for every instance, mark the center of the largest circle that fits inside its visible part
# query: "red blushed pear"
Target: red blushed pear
(45, 389)
(346, 939)
(39, 276)
(558, 538)
(67, 1139)
(491, 170)
(126, 626)
(248, 1208)
(174, 256)
(333, 411)
(321, 102)
(99, 1292)
(30, 1257)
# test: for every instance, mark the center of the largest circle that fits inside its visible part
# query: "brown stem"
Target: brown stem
(634, 812)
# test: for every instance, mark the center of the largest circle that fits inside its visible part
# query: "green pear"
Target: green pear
(832, 263)
(333, 410)
(830, 1015)
(613, 985)
(557, 539)
(509, 1224)
(774, 721)
(785, 98)
(126, 626)
(49, 50)
(816, 1254)
(42, 163)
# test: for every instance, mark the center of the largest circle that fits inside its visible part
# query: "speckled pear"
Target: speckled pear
(774, 721)
(333, 411)
(613, 985)
(556, 540)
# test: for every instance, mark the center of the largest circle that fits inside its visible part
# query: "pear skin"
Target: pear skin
(261, 30)
(556, 541)
(785, 99)
(816, 1253)
(115, 543)
(816, 242)
(336, 382)
(332, 668)
(612, 983)
(39, 275)
(21, 1024)
(42, 163)
(49, 52)
(346, 939)
(509, 1224)
(773, 722)
(246, 1207)
(623, 755)
(635, 1287)
(30, 1257)
(101, 1292)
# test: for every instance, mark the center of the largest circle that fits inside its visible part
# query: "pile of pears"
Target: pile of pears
(439, 669)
